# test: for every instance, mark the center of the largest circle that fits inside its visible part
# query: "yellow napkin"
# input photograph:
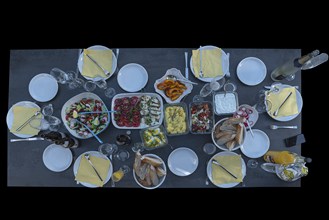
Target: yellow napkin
(231, 163)
(211, 62)
(21, 115)
(289, 108)
(102, 57)
(87, 174)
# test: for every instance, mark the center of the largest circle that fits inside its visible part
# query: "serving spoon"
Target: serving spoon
(172, 77)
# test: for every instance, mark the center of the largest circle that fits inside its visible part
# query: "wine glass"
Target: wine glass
(48, 110)
(122, 155)
(138, 146)
(76, 81)
(110, 92)
(108, 149)
(51, 123)
(252, 163)
(211, 87)
(61, 76)
(262, 104)
(89, 86)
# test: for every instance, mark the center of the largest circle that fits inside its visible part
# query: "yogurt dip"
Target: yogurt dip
(225, 104)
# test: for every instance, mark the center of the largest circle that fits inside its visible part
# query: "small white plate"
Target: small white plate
(57, 158)
(132, 77)
(98, 47)
(251, 71)
(257, 146)
(10, 116)
(225, 64)
(183, 161)
(225, 153)
(95, 154)
(299, 101)
(43, 87)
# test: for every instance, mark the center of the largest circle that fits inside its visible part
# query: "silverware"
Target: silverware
(273, 127)
(215, 162)
(87, 157)
(117, 54)
(276, 88)
(182, 80)
(98, 139)
(27, 121)
(201, 73)
(228, 74)
(83, 113)
(186, 68)
(92, 59)
(27, 139)
(284, 101)
(251, 132)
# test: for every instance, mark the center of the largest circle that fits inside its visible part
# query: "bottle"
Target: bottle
(288, 69)
(288, 172)
(285, 157)
(315, 61)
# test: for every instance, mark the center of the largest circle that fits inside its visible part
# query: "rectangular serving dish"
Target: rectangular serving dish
(156, 132)
(217, 112)
(184, 106)
(212, 117)
(123, 95)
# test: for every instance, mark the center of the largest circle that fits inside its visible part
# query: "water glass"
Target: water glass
(101, 84)
(213, 86)
(61, 76)
(209, 148)
(262, 104)
(138, 146)
(252, 163)
(119, 174)
(51, 123)
(89, 86)
(76, 82)
(110, 92)
(122, 155)
(48, 110)
(108, 149)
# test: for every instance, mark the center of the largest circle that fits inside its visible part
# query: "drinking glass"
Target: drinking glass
(213, 86)
(138, 146)
(110, 92)
(119, 174)
(89, 86)
(252, 163)
(101, 84)
(51, 123)
(262, 104)
(108, 149)
(61, 76)
(197, 98)
(48, 110)
(209, 148)
(122, 155)
(76, 81)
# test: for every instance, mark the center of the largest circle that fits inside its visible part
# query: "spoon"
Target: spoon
(172, 77)
(98, 139)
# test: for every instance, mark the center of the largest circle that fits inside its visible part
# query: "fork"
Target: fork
(273, 127)
(106, 72)
(87, 157)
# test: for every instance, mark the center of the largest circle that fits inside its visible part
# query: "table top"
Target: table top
(25, 165)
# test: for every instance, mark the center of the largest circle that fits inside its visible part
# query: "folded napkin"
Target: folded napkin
(21, 115)
(87, 174)
(231, 163)
(211, 62)
(102, 57)
(289, 107)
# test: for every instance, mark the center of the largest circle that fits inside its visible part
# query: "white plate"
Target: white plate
(132, 77)
(95, 154)
(299, 101)
(98, 47)
(161, 179)
(178, 74)
(257, 146)
(225, 64)
(10, 116)
(75, 99)
(43, 87)
(226, 185)
(123, 95)
(251, 71)
(57, 158)
(183, 161)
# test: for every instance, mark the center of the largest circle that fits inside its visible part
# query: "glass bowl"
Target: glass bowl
(195, 109)
(153, 137)
(179, 121)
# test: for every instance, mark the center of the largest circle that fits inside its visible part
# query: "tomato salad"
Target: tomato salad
(201, 118)
(96, 122)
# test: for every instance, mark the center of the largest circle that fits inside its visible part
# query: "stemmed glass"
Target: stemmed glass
(122, 155)
(211, 87)
(61, 76)
(48, 122)
(76, 81)
(138, 146)
(47, 110)
(108, 149)
(262, 104)
(108, 91)
(252, 163)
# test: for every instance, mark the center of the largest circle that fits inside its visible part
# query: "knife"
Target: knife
(186, 69)
(215, 162)
(28, 139)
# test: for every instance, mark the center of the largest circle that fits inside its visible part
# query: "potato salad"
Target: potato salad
(175, 117)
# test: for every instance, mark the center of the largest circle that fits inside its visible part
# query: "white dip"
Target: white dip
(225, 103)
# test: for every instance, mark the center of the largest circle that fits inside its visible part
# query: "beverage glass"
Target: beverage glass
(209, 148)
(122, 155)
(89, 86)
(108, 149)
(51, 123)
(48, 110)
(262, 104)
(110, 92)
(61, 76)
(138, 146)
(101, 84)
(119, 174)
(252, 163)
(213, 86)
(76, 81)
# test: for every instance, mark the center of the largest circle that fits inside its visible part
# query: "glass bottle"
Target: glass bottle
(288, 69)
(285, 157)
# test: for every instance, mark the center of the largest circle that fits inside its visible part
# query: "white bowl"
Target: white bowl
(223, 147)
(77, 98)
(161, 179)
(177, 73)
